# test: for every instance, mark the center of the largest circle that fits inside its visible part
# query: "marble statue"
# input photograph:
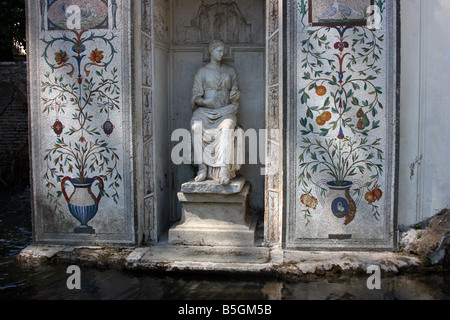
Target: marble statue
(215, 103)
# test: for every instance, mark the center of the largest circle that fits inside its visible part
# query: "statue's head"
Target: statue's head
(215, 44)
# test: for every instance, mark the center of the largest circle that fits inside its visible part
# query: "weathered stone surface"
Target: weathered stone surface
(429, 239)
(37, 254)
(258, 260)
(321, 262)
(168, 253)
(213, 187)
(80, 255)
(206, 234)
(442, 254)
(214, 219)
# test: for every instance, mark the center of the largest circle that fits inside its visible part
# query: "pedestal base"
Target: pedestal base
(84, 230)
(215, 218)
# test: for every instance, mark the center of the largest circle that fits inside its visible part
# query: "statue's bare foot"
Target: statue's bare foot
(200, 177)
(224, 177)
(202, 173)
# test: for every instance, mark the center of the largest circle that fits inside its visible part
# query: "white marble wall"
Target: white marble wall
(425, 69)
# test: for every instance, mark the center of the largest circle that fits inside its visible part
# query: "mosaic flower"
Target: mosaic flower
(341, 45)
(78, 48)
(108, 127)
(341, 134)
(96, 56)
(61, 57)
(58, 128)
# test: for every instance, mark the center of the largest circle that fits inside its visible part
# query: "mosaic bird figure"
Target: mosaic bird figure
(85, 12)
(331, 11)
(340, 207)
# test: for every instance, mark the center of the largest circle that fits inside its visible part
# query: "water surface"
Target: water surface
(49, 282)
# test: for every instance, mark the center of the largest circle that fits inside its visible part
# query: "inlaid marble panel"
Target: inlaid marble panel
(343, 157)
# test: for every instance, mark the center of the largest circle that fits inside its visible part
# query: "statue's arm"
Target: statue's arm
(234, 93)
(197, 92)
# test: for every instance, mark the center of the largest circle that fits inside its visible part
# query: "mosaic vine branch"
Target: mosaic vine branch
(341, 103)
(94, 92)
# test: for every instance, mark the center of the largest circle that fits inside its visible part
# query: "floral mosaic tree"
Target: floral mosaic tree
(89, 90)
(342, 104)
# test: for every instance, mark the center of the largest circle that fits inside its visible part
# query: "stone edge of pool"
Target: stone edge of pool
(252, 260)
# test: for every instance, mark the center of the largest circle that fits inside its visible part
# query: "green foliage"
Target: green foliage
(12, 26)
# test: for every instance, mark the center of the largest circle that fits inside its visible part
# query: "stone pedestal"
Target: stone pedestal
(214, 215)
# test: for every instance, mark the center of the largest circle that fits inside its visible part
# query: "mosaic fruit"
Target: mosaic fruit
(326, 115)
(360, 113)
(321, 90)
(309, 201)
(370, 197)
(320, 121)
(360, 125)
(377, 193)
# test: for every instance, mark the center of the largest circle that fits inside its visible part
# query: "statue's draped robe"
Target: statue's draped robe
(218, 144)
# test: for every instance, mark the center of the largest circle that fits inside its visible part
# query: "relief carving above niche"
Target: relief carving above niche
(223, 21)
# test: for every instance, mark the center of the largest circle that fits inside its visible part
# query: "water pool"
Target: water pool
(48, 282)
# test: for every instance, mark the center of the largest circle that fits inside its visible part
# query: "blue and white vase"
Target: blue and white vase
(83, 204)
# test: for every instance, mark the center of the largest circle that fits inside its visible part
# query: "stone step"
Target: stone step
(187, 254)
